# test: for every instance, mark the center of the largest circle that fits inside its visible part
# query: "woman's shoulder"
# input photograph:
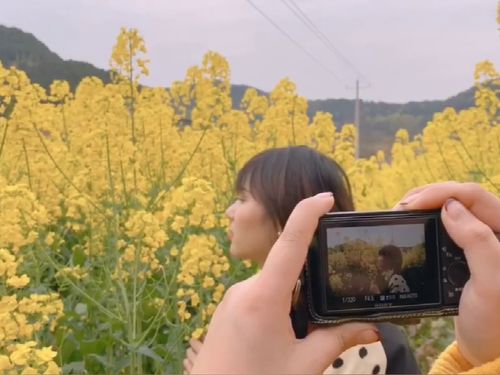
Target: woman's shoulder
(397, 284)
(391, 355)
(360, 359)
(400, 357)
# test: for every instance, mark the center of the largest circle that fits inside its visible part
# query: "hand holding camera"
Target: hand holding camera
(471, 216)
(387, 265)
(251, 330)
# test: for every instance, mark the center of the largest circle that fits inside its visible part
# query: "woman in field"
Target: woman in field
(390, 261)
(269, 186)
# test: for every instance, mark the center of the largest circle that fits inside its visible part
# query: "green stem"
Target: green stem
(27, 165)
(4, 137)
(62, 172)
(100, 307)
(479, 169)
(110, 173)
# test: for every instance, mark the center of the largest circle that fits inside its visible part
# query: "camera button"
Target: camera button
(458, 273)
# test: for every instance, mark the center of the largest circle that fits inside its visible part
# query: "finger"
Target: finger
(286, 258)
(483, 204)
(191, 355)
(325, 344)
(481, 247)
(410, 193)
(195, 345)
(188, 366)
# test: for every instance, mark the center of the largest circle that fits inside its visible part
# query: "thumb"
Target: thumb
(481, 247)
(324, 344)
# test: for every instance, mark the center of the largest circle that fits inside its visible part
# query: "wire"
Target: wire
(297, 44)
(299, 13)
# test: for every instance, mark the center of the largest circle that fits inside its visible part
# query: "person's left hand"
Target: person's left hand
(251, 331)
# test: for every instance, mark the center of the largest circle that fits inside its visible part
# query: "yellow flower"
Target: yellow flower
(49, 240)
(18, 282)
(216, 270)
(208, 282)
(178, 224)
(45, 354)
(30, 371)
(195, 300)
(8, 304)
(174, 252)
(52, 368)
(21, 353)
(211, 309)
(5, 363)
(197, 333)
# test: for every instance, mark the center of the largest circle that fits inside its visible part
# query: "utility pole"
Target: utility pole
(357, 116)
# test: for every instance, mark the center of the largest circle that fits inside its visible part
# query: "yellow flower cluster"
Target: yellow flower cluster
(202, 262)
(21, 320)
(21, 217)
(32, 361)
(145, 232)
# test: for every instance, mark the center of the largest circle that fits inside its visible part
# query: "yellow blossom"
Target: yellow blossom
(17, 282)
(5, 363)
(197, 333)
(45, 354)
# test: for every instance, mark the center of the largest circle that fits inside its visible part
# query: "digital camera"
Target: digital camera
(383, 266)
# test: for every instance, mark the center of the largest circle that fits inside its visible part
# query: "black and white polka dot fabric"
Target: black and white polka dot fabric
(360, 359)
(397, 284)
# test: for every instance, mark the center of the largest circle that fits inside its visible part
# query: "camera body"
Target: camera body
(382, 266)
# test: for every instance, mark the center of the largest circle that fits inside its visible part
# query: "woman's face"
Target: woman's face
(383, 263)
(252, 232)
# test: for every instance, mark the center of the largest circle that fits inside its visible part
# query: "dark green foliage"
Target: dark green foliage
(43, 66)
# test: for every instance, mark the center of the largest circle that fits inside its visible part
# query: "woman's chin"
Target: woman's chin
(234, 253)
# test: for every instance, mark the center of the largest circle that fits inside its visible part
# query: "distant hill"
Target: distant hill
(42, 65)
(379, 120)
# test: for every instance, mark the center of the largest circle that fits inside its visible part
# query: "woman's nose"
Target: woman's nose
(230, 211)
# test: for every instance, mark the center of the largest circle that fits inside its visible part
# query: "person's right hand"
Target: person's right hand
(471, 216)
(191, 354)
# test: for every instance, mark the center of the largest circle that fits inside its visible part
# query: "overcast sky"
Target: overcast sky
(403, 235)
(403, 49)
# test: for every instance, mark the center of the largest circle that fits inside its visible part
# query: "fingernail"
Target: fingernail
(326, 194)
(454, 208)
(409, 199)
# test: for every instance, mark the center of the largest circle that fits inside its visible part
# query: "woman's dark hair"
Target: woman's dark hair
(393, 255)
(280, 178)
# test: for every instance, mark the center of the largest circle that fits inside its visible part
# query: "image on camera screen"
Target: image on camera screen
(373, 265)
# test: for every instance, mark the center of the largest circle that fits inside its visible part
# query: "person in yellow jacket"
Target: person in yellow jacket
(251, 331)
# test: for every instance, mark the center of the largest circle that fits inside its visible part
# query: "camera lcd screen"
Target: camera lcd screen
(381, 266)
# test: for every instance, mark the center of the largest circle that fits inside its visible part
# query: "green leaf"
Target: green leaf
(74, 367)
(144, 350)
(92, 346)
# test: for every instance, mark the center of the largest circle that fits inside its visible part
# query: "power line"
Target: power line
(299, 13)
(297, 44)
